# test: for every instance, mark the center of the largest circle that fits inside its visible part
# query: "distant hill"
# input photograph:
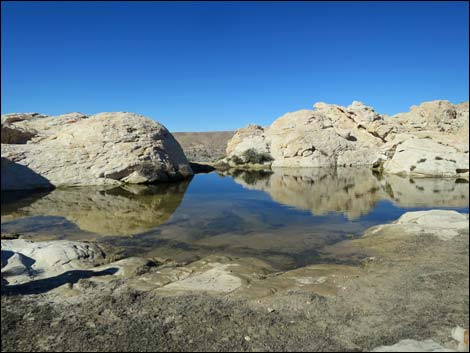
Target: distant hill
(204, 146)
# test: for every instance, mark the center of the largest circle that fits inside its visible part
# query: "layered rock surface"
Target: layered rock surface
(430, 140)
(106, 148)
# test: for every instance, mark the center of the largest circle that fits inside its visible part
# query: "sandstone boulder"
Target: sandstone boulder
(435, 134)
(249, 146)
(330, 135)
(23, 260)
(106, 148)
(427, 157)
(442, 224)
(432, 141)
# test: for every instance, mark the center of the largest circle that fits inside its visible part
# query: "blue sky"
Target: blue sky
(221, 65)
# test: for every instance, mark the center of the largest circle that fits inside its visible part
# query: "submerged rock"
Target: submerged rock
(106, 148)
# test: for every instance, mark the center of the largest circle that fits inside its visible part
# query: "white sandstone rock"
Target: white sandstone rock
(426, 157)
(23, 260)
(414, 346)
(443, 224)
(106, 148)
(332, 135)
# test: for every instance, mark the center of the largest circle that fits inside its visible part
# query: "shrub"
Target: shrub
(251, 156)
(237, 160)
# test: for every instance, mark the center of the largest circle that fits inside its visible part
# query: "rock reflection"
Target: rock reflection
(426, 192)
(12, 201)
(353, 192)
(124, 210)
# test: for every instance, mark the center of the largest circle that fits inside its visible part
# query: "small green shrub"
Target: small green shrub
(251, 156)
(236, 160)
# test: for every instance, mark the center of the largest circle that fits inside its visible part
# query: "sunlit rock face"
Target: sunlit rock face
(438, 115)
(102, 149)
(431, 140)
(356, 135)
(352, 191)
(106, 211)
(443, 224)
(426, 157)
(328, 136)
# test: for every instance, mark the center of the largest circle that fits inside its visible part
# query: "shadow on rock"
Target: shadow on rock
(12, 201)
(16, 176)
(44, 285)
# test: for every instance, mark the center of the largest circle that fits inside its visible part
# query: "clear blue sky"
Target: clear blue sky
(218, 66)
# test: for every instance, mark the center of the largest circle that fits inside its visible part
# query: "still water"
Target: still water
(284, 217)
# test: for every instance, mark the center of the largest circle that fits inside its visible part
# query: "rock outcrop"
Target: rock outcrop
(442, 224)
(421, 157)
(106, 148)
(24, 260)
(430, 140)
(330, 135)
(433, 141)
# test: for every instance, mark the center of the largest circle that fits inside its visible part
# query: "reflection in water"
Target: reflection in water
(107, 211)
(285, 216)
(426, 192)
(14, 200)
(353, 192)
